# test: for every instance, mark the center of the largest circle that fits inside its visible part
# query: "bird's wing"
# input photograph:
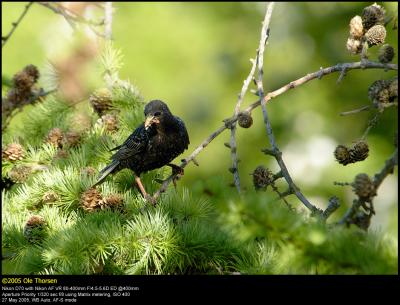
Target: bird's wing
(183, 132)
(135, 144)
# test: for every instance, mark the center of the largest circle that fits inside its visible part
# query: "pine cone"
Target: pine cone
(114, 202)
(342, 154)
(356, 27)
(376, 35)
(386, 54)
(88, 171)
(372, 15)
(101, 101)
(91, 200)
(33, 72)
(23, 82)
(363, 187)
(13, 152)
(34, 229)
(72, 138)
(383, 98)
(359, 151)
(262, 177)
(55, 137)
(245, 120)
(19, 174)
(50, 196)
(110, 122)
(354, 46)
(375, 88)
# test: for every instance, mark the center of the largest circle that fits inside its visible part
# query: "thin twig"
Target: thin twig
(386, 170)
(15, 25)
(318, 74)
(71, 17)
(232, 145)
(364, 108)
(246, 83)
(371, 123)
(277, 154)
(332, 207)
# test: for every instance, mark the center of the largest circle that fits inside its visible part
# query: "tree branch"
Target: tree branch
(15, 25)
(293, 84)
(246, 84)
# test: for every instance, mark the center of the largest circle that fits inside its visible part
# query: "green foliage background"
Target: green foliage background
(195, 57)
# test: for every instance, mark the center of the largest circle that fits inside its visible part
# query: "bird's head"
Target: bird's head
(157, 114)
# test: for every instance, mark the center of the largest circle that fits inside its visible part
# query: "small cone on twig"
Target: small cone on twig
(13, 152)
(386, 54)
(363, 187)
(245, 120)
(101, 100)
(88, 171)
(342, 154)
(372, 15)
(49, 197)
(375, 35)
(55, 137)
(34, 229)
(262, 177)
(110, 122)
(356, 27)
(359, 151)
(114, 201)
(19, 174)
(72, 138)
(91, 200)
(354, 46)
(382, 92)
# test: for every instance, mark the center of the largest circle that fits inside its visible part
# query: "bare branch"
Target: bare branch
(332, 207)
(72, 17)
(273, 94)
(246, 84)
(364, 108)
(386, 170)
(15, 25)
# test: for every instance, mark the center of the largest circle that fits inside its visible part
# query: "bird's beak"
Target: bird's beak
(150, 120)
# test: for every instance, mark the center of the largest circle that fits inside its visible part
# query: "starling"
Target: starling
(154, 143)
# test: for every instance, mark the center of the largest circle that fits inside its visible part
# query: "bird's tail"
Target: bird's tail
(105, 172)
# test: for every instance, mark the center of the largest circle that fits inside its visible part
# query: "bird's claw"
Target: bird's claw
(150, 199)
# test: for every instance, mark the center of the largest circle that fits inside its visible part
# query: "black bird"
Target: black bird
(154, 143)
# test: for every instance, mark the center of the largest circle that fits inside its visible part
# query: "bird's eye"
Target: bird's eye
(158, 113)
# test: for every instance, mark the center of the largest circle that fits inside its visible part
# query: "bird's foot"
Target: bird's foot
(176, 170)
(150, 199)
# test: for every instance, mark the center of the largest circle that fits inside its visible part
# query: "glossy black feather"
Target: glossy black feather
(151, 148)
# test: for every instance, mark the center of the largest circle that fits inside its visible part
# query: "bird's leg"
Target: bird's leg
(177, 171)
(143, 191)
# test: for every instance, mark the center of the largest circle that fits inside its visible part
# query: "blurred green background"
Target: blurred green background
(195, 57)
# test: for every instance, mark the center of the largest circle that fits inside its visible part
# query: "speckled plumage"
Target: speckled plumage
(152, 146)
